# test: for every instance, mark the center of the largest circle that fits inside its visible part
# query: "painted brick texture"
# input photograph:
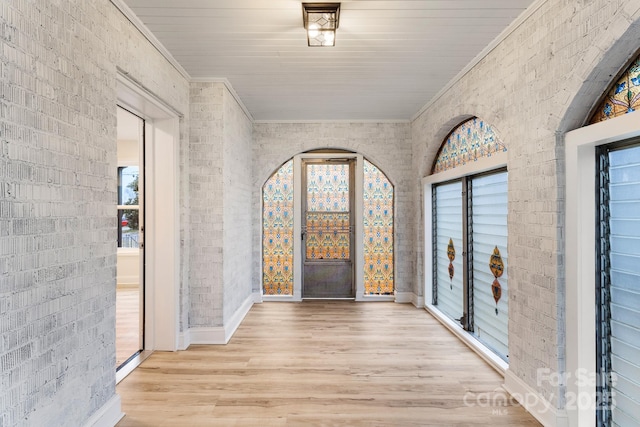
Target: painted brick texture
(537, 84)
(220, 205)
(206, 204)
(58, 62)
(237, 234)
(387, 145)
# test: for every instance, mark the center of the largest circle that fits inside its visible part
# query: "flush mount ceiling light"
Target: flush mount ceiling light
(321, 22)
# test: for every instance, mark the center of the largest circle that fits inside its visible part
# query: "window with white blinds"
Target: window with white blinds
(448, 295)
(489, 248)
(623, 285)
(470, 256)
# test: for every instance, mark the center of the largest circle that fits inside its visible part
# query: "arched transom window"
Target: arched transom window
(470, 141)
(623, 97)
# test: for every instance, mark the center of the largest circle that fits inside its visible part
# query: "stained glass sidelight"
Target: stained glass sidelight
(623, 97)
(277, 240)
(472, 140)
(378, 232)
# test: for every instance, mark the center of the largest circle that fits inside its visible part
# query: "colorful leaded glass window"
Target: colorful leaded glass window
(328, 217)
(472, 140)
(328, 187)
(378, 232)
(328, 207)
(277, 241)
(623, 97)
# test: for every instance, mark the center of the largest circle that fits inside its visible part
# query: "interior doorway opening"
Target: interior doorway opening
(130, 222)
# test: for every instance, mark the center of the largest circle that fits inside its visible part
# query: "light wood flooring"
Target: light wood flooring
(322, 364)
(127, 323)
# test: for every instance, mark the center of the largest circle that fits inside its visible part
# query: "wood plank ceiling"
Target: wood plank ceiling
(391, 56)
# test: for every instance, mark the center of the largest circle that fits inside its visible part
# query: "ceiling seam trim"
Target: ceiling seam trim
(486, 51)
(321, 121)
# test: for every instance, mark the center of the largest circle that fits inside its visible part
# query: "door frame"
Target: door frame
(162, 229)
(336, 159)
(358, 243)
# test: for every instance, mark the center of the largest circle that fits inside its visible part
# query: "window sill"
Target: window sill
(483, 351)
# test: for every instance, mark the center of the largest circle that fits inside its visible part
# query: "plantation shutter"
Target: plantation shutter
(448, 249)
(489, 252)
(624, 175)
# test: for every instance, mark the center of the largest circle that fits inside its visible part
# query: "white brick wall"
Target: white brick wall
(388, 145)
(220, 205)
(238, 230)
(526, 88)
(206, 204)
(57, 209)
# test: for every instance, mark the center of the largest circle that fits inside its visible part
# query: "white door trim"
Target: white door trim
(162, 251)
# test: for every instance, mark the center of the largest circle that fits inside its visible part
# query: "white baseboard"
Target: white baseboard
(184, 340)
(236, 319)
(409, 298)
(536, 405)
(257, 297)
(212, 335)
(418, 301)
(404, 297)
(107, 416)
(217, 334)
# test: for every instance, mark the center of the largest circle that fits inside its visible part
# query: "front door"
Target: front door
(328, 228)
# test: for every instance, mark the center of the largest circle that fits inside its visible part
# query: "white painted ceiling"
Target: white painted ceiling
(391, 56)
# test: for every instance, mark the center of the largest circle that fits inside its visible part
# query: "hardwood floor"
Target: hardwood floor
(323, 364)
(127, 323)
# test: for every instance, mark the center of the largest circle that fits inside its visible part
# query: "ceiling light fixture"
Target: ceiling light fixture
(321, 22)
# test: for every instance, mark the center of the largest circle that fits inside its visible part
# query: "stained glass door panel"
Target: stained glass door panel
(328, 230)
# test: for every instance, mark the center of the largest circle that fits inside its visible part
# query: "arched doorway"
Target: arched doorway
(328, 222)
